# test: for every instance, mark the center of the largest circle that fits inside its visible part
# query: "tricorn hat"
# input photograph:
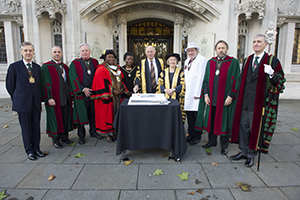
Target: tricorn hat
(176, 55)
(106, 52)
(191, 45)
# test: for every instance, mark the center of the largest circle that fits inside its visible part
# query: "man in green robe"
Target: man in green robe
(219, 89)
(57, 97)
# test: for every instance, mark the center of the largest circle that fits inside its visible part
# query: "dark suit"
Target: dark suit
(26, 101)
(148, 75)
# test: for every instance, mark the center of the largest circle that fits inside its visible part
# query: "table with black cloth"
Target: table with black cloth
(140, 127)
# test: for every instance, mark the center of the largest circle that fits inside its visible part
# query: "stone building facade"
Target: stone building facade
(169, 25)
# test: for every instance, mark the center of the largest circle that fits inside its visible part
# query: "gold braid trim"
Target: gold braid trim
(174, 81)
(143, 77)
(167, 81)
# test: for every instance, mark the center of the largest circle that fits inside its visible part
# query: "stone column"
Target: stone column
(11, 41)
(122, 37)
(177, 33)
(285, 46)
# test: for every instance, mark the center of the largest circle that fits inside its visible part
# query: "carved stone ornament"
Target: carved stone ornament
(50, 6)
(178, 19)
(10, 7)
(250, 7)
(115, 30)
(280, 21)
(271, 33)
(122, 19)
(197, 7)
(289, 7)
(19, 20)
(103, 7)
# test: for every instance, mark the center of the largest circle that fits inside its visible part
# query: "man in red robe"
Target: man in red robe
(219, 89)
(261, 82)
(107, 88)
(57, 97)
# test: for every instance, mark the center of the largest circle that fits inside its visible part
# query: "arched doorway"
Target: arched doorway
(144, 32)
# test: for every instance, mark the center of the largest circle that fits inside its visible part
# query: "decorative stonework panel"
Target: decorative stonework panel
(50, 6)
(103, 7)
(10, 7)
(197, 7)
(250, 7)
(280, 21)
(289, 7)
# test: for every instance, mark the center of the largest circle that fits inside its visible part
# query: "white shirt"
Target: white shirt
(25, 63)
(155, 67)
(259, 59)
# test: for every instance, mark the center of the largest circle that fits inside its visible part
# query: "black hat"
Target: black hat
(176, 55)
(106, 52)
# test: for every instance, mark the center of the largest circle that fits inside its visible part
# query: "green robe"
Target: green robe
(228, 85)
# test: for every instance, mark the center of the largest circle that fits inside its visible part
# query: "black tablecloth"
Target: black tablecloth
(150, 126)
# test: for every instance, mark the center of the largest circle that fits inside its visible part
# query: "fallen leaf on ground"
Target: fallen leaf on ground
(205, 141)
(208, 154)
(51, 177)
(6, 126)
(207, 150)
(79, 155)
(165, 155)
(214, 164)
(197, 181)
(295, 129)
(244, 186)
(72, 144)
(8, 106)
(76, 167)
(183, 176)
(191, 193)
(15, 114)
(1, 106)
(158, 172)
(3, 195)
(128, 162)
(105, 151)
(144, 156)
(199, 191)
(5, 110)
(46, 152)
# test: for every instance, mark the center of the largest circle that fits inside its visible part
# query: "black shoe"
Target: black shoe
(56, 143)
(81, 141)
(96, 135)
(67, 141)
(39, 153)
(31, 156)
(249, 162)
(224, 151)
(207, 145)
(188, 138)
(110, 139)
(194, 141)
(238, 156)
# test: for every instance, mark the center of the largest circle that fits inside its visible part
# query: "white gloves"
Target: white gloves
(268, 69)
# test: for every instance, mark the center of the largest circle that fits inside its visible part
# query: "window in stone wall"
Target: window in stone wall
(243, 33)
(3, 58)
(57, 33)
(184, 46)
(116, 46)
(296, 48)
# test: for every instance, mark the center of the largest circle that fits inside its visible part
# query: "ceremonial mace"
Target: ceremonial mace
(270, 36)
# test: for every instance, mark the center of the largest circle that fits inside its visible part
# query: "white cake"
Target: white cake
(148, 99)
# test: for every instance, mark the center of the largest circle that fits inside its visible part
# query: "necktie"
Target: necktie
(153, 75)
(29, 69)
(255, 63)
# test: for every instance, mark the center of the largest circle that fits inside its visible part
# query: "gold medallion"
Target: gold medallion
(129, 75)
(217, 72)
(31, 79)
(118, 79)
(89, 72)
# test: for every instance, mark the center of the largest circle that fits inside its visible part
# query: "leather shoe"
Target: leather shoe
(109, 139)
(249, 162)
(207, 145)
(194, 141)
(56, 143)
(96, 135)
(238, 156)
(31, 156)
(39, 153)
(224, 151)
(188, 138)
(67, 141)
(81, 141)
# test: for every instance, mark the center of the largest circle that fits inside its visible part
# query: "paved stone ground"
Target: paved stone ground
(100, 174)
